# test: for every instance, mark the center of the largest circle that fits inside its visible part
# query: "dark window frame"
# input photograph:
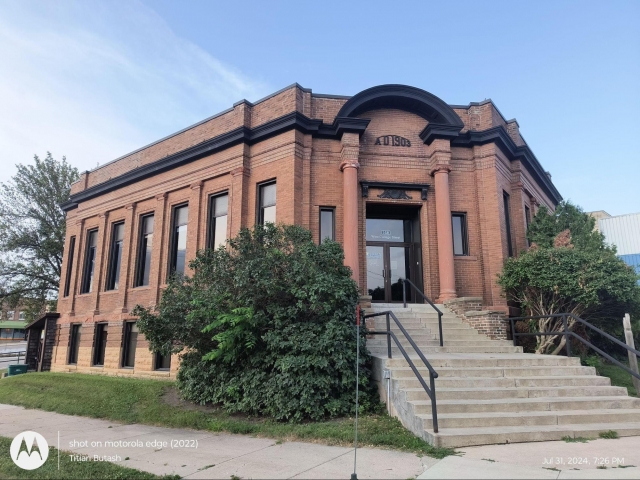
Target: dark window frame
(126, 345)
(88, 270)
(157, 360)
(259, 207)
(113, 272)
(211, 222)
(67, 280)
(74, 343)
(142, 250)
(333, 221)
(464, 233)
(173, 246)
(100, 337)
(506, 200)
(527, 221)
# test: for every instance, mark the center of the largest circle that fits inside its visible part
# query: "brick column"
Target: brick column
(77, 261)
(193, 230)
(101, 261)
(237, 194)
(157, 259)
(445, 235)
(349, 168)
(127, 267)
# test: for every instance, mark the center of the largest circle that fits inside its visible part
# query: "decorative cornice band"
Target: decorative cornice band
(423, 187)
(501, 138)
(294, 120)
(437, 130)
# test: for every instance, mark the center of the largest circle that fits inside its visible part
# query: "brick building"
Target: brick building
(411, 186)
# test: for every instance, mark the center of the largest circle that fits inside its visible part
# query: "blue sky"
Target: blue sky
(93, 80)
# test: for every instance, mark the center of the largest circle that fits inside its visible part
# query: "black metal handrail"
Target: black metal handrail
(404, 301)
(431, 391)
(568, 334)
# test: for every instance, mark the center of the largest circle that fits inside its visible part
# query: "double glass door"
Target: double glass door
(386, 265)
(388, 258)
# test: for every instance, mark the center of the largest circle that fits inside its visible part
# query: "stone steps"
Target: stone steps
(507, 405)
(465, 437)
(545, 381)
(488, 391)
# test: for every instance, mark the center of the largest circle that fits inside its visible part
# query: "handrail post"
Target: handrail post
(567, 338)
(404, 293)
(434, 408)
(388, 336)
(513, 332)
(440, 328)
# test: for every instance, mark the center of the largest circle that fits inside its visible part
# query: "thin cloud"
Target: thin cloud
(93, 81)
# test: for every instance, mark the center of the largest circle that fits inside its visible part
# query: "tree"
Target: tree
(546, 226)
(265, 327)
(32, 232)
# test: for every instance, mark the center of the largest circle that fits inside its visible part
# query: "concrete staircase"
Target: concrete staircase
(490, 392)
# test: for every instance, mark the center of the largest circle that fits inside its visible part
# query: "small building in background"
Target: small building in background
(12, 324)
(623, 231)
(599, 214)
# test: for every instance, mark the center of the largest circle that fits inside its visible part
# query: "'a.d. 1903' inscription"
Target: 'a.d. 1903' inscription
(393, 141)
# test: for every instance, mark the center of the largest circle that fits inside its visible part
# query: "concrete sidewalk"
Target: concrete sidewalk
(200, 454)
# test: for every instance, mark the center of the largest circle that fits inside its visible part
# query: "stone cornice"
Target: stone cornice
(291, 121)
(503, 140)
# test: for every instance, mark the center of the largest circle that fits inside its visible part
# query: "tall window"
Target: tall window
(129, 344)
(115, 257)
(89, 261)
(11, 315)
(163, 362)
(507, 222)
(527, 219)
(178, 255)
(267, 203)
(21, 316)
(74, 343)
(67, 281)
(99, 344)
(143, 266)
(218, 209)
(327, 224)
(460, 235)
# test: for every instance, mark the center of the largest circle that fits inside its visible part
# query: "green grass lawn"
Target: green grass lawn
(68, 469)
(618, 376)
(132, 400)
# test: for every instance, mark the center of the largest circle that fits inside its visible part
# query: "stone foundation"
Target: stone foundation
(492, 323)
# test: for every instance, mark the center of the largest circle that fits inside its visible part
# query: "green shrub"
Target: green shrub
(266, 327)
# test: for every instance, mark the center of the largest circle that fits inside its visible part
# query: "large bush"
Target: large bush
(592, 284)
(265, 327)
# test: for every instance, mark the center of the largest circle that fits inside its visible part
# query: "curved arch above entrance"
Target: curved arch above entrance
(402, 97)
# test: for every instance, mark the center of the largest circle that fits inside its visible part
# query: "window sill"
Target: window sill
(465, 257)
(140, 288)
(97, 366)
(110, 292)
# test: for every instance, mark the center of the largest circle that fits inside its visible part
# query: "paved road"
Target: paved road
(13, 347)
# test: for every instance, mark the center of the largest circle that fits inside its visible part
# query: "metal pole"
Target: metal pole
(567, 337)
(388, 336)
(633, 360)
(513, 332)
(354, 476)
(440, 328)
(434, 408)
(404, 293)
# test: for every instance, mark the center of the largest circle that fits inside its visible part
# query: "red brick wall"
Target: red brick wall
(308, 177)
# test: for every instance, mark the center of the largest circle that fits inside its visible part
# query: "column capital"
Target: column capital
(440, 169)
(239, 171)
(161, 197)
(349, 164)
(196, 185)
